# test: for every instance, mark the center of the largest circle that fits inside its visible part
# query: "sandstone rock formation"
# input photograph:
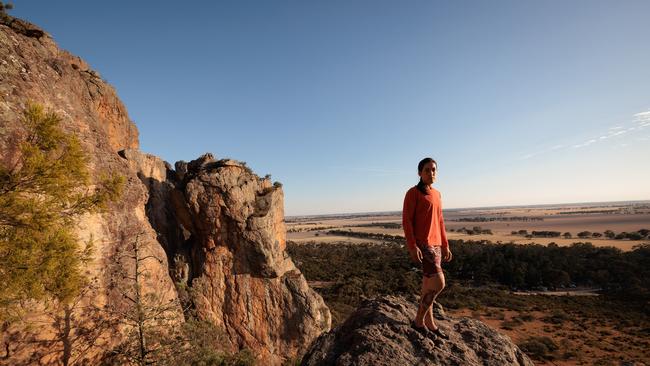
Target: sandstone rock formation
(215, 226)
(379, 333)
(223, 229)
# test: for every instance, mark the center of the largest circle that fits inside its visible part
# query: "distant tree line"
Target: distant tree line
(476, 230)
(373, 236)
(537, 234)
(588, 212)
(303, 229)
(487, 219)
(609, 234)
(385, 225)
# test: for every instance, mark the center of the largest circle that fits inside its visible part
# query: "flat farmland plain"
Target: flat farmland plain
(617, 217)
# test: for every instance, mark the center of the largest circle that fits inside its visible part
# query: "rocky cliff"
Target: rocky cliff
(379, 333)
(215, 226)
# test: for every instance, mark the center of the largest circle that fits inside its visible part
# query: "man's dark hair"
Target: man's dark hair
(421, 186)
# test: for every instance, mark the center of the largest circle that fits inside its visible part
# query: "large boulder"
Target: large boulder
(379, 333)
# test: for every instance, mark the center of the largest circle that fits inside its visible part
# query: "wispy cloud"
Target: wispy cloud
(371, 170)
(586, 143)
(642, 119)
(643, 115)
(638, 122)
(552, 148)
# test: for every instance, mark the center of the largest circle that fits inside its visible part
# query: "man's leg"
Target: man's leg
(437, 285)
(430, 289)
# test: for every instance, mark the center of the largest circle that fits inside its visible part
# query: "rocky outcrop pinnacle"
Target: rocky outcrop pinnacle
(379, 333)
(223, 229)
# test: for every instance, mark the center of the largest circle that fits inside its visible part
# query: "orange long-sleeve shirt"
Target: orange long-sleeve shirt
(422, 218)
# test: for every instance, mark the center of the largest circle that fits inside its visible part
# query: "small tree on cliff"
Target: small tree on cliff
(5, 6)
(42, 193)
(4, 17)
(136, 302)
(155, 331)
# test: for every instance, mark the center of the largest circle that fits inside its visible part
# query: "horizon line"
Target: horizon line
(359, 213)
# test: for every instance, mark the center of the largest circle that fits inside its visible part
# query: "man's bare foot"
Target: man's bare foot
(429, 323)
(433, 328)
(439, 333)
(422, 329)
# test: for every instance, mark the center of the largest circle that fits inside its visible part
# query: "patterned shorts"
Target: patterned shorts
(431, 259)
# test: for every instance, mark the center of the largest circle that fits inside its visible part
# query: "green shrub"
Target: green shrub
(556, 317)
(511, 324)
(539, 348)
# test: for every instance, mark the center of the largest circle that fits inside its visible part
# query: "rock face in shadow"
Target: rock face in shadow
(379, 333)
(215, 227)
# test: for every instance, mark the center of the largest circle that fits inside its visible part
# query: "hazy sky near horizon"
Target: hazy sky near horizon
(520, 102)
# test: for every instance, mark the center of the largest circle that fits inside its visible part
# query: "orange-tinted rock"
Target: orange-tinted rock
(224, 228)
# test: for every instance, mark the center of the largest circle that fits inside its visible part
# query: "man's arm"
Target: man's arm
(446, 252)
(408, 216)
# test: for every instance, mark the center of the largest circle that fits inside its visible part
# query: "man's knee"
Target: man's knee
(438, 282)
(427, 298)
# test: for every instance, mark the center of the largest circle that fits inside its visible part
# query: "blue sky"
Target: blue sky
(520, 102)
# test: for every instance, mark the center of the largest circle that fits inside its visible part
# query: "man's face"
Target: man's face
(428, 173)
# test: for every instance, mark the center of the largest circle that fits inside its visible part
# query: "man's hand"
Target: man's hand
(416, 254)
(446, 254)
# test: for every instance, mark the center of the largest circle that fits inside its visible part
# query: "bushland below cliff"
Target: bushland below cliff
(610, 327)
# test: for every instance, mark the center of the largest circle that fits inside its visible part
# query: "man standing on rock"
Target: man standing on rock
(426, 241)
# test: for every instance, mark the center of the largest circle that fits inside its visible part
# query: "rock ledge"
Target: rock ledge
(379, 333)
